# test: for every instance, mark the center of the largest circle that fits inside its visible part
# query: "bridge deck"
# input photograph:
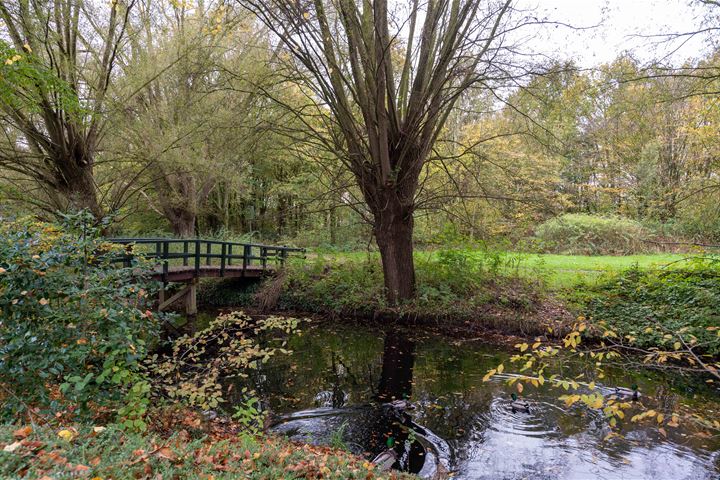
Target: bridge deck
(186, 273)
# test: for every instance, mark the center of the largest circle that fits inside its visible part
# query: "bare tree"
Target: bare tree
(389, 74)
(78, 42)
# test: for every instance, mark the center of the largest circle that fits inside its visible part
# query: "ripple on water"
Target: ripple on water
(500, 417)
(516, 445)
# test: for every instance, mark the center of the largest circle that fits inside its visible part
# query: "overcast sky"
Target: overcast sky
(619, 20)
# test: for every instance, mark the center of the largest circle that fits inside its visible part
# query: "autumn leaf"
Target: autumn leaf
(520, 387)
(167, 454)
(66, 434)
(23, 432)
(488, 375)
(12, 447)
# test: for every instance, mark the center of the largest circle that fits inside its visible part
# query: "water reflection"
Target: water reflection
(345, 382)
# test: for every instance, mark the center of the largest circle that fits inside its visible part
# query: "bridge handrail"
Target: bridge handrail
(162, 252)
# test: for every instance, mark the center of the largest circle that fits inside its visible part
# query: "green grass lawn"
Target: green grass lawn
(567, 271)
(558, 271)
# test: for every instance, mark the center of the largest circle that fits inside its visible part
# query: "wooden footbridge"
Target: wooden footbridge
(188, 260)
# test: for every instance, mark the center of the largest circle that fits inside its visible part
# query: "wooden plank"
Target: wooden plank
(179, 294)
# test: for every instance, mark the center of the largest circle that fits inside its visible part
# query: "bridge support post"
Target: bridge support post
(191, 297)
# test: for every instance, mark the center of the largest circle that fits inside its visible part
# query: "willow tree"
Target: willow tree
(56, 77)
(388, 74)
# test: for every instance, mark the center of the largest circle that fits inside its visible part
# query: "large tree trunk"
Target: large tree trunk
(182, 223)
(77, 184)
(394, 236)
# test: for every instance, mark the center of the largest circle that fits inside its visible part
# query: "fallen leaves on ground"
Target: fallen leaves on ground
(208, 450)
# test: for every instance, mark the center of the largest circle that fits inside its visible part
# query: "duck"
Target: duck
(385, 460)
(519, 405)
(627, 394)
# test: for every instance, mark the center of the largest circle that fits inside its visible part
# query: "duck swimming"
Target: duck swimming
(627, 394)
(518, 405)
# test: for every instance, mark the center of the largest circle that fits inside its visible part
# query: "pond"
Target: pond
(423, 397)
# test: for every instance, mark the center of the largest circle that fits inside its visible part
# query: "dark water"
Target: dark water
(339, 382)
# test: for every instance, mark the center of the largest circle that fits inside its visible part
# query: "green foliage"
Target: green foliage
(583, 234)
(337, 440)
(228, 346)
(458, 286)
(668, 309)
(71, 318)
(24, 80)
(354, 287)
(249, 414)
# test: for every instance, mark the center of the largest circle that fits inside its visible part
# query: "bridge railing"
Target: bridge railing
(196, 254)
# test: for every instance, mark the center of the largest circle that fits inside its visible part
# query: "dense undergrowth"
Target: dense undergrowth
(75, 327)
(457, 289)
(672, 308)
(582, 234)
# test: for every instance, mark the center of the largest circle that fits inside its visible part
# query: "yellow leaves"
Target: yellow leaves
(572, 340)
(677, 345)
(569, 399)
(647, 414)
(593, 401)
(66, 435)
(500, 368)
(536, 345)
(591, 385)
(660, 418)
(522, 346)
(520, 387)
(674, 421)
(610, 333)
(489, 374)
(306, 15)
(27, 48)
(541, 379)
(13, 59)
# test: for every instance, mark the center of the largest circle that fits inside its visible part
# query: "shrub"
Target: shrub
(581, 234)
(71, 319)
(228, 347)
(656, 308)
